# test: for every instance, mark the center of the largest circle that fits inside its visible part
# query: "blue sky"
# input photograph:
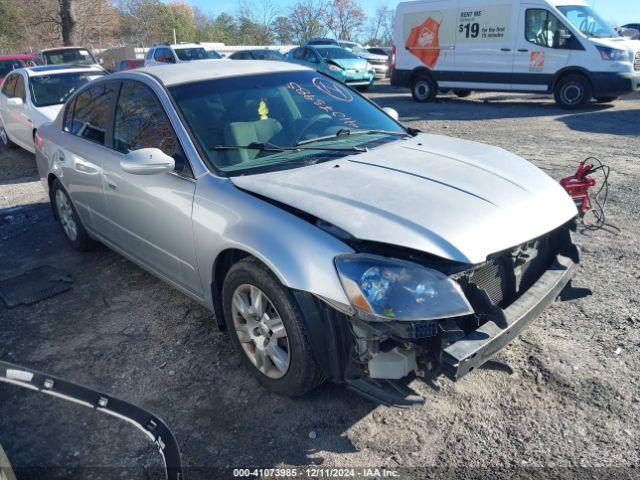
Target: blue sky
(619, 11)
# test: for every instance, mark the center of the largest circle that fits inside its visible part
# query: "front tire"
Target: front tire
(265, 325)
(606, 99)
(462, 93)
(69, 219)
(424, 88)
(573, 92)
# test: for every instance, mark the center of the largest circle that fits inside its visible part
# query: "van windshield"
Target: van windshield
(588, 21)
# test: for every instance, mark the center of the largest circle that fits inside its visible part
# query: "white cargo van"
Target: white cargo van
(549, 46)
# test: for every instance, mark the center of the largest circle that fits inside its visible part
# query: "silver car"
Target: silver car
(329, 240)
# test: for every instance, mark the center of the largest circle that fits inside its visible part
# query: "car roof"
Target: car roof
(189, 72)
(336, 47)
(47, 50)
(19, 56)
(49, 69)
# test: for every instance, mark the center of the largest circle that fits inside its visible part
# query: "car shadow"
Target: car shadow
(477, 107)
(122, 331)
(611, 122)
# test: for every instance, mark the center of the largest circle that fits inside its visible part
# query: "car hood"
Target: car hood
(372, 56)
(619, 43)
(349, 63)
(455, 199)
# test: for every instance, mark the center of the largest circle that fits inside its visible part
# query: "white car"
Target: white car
(176, 53)
(31, 97)
(380, 63)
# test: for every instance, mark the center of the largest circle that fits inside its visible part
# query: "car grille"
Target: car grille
(636, 63)
(508, 275)
(377, 62)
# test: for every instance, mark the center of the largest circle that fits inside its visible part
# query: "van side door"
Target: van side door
(485, 44)
(545, 45)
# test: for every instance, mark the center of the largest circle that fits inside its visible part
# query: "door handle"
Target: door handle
(110, 183)
(505, 49)
(523, 50)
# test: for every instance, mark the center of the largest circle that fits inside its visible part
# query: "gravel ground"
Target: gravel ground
(570, 408)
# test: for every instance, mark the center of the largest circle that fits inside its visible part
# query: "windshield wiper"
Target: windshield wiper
(269, 147)
(343, 132)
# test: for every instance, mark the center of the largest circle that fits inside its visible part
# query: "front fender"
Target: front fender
(300, 254)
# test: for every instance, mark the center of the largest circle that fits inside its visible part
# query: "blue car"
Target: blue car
(337, 62)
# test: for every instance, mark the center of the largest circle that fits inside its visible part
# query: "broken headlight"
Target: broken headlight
(383, 289)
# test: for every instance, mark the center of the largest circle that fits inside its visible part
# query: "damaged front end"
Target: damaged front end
(414, 316)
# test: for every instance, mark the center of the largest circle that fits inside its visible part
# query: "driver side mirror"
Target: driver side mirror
(392, 112)
(15, 102)
(147, 161)
(563, 37)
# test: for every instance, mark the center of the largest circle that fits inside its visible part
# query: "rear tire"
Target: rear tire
(606, 99)
(69, 219)
(253, 336)
(423, 88)
(573, 92)
(462, 93)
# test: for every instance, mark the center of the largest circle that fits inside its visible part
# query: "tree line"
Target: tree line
(32, 24)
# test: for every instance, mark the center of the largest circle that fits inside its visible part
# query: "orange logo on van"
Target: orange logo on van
(424, 42)
(536, 63)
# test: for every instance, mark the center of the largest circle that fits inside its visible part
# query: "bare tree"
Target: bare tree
(380, 26)
(344, 18)
(306, 20)
(67, 21)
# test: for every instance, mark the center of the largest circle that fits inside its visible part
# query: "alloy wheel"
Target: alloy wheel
(261, 332)
(65, 213)
(3, 136)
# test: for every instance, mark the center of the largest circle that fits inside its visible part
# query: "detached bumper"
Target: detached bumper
(479, 346)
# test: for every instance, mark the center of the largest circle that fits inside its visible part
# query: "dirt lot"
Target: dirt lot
(571, 406)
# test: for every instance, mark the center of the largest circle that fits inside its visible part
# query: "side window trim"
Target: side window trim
(187, 175)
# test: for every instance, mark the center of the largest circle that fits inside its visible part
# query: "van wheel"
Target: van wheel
(424, 88)
(606, 99)
(265, 325)
(573, 92)
(4, 138)
(462, 93)
(68, 218)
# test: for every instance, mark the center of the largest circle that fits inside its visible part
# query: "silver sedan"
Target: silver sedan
(329, 240)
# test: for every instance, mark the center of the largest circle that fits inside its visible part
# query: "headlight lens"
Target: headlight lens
(383, 289)
(335, 68)
(614, 55)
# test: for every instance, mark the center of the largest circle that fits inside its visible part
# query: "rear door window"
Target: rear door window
(9, 85)
(91, 112)
(20, 90)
